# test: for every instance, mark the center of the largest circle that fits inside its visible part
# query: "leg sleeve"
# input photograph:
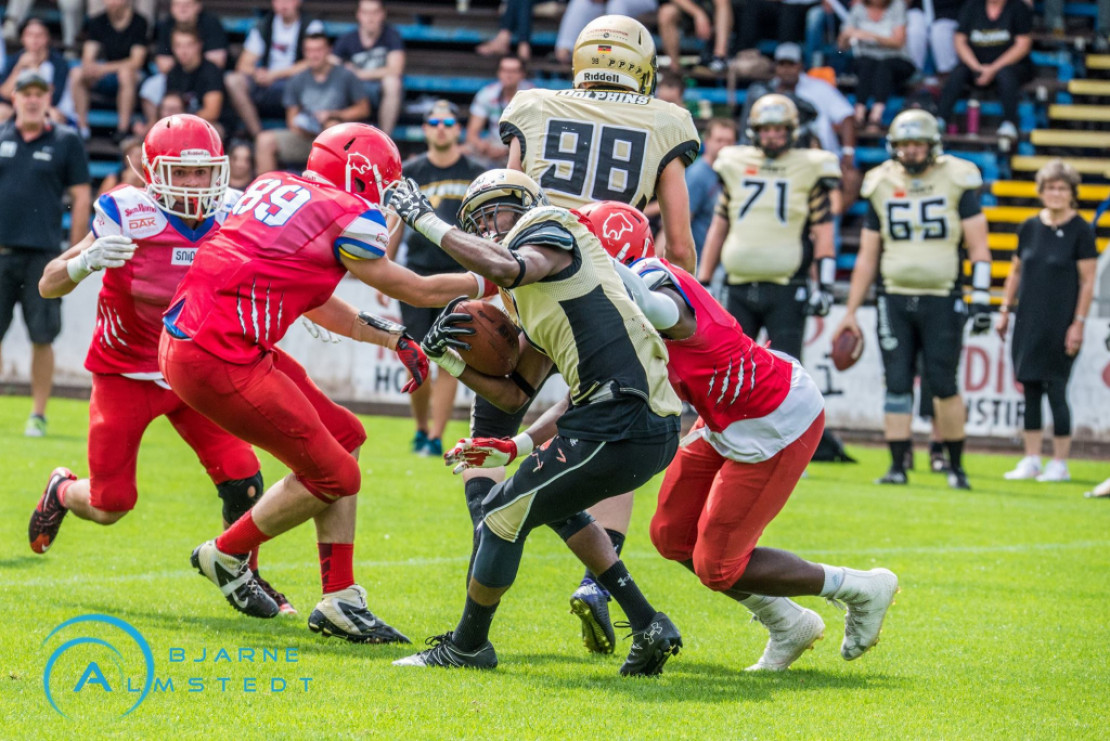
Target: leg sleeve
(1057, 390)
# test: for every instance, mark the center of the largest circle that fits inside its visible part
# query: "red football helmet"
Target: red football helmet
(189, 141)
(624, 232)
(356, 157)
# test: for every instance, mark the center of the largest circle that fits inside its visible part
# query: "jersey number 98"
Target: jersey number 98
(609, 168)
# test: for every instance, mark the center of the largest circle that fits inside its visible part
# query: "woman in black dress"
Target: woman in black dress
(1052, 276)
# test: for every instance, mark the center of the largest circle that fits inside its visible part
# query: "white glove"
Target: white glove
(111, 251)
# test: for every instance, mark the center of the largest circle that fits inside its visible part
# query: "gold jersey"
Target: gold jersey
(919, 223)
(583, 319)
(769, 204)
(583, 146)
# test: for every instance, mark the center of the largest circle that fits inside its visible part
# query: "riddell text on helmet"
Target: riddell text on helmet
(600, 77)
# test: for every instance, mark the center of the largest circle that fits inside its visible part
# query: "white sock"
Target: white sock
(770, 609)
(834, 577)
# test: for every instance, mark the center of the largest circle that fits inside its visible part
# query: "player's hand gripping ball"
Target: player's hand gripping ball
(846, 349)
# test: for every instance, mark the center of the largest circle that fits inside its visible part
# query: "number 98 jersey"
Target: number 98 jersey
(918, 218)
(583, 146)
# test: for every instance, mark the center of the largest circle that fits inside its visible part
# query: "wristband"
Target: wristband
(451, 362)
(1080, 318)
(432, 227)
(524, 444)
(981, 276)
(826, 271)
(78, 268)
(486, 288)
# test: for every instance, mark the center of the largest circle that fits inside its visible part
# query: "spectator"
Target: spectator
(578, 15)
(271, 55)
(702, 181)
(1052, 278)
(707, 19)
(1054, 20)
(131, 152)
(786, 17)
(111, 60)
(198, 81)
(321, 96)
(937, 34)
(483, 138)
(993, 44)
(516, 28)
(39, 164)
(876, 34)
(376, 54)
(185, 14)
(671, 88)
(36, 54)
(443, 174)
(240, 164)
(73, 17)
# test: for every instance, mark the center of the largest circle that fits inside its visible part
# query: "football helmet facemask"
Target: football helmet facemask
(184, 140)
(914, 125)
(494, 192)
(773, 109)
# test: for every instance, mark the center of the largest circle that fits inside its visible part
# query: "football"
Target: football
(846, 350)
(494, 348)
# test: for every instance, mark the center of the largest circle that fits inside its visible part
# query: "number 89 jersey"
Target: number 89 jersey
(583, 146)
(918, 218)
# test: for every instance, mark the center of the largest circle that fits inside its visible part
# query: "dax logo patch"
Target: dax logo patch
(183, 256)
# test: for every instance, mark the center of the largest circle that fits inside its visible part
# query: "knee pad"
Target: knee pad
(237, 496)
(568, 528)
(898, 403)
(496, 561)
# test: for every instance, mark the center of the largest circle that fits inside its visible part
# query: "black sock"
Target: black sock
(473, 629)
(617, 539)
(635, 605)
(955, 453)
(935, 446)
(898, 450)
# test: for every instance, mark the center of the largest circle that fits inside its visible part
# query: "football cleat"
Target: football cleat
(344, 614)
(444, 653)
(235, 580)
(651, 647)
(866, 595)
(1028, 467)
(591, 604)
(35, 427)
(284, 605)
(957, 479)
(49, 512)
(790, 637)
(895, 477)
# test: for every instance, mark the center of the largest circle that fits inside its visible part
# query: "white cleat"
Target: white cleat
(235, 580)
(867, 595)
(790, 638)
(1028, 467)
(345, 614)
(1055, 471)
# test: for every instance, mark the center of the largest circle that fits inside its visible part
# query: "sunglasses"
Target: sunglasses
(448, 122)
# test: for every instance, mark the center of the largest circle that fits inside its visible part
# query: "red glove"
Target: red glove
(487, 452)
(414, 359)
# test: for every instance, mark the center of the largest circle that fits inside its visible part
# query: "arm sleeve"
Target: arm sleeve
(365, 238)
(820, 209)
(871, 220)
(969, 204)
(660, 310)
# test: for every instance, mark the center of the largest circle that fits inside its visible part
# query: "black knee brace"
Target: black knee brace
(239, 495)
(574, 524)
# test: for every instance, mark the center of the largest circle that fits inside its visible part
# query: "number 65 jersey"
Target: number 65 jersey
(918, 218)
(583, 146)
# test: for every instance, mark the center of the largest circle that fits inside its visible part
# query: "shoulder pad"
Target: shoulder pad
(365, 237)
(129, 211)
(872, 179)
(654, 272)
(828, 165)
(961, 172)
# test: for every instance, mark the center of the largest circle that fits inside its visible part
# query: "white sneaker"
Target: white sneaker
(791, 635)
(1028, 467)
(867, 595)
(344, 614)
(1055, 471)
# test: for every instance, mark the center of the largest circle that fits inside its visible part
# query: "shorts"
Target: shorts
(20, 271)
(931, 326)
(273, 404)
(713, 510)
(269, 100)
(120, 411)
(781, 310)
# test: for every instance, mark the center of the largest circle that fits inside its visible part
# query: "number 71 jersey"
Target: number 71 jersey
(583, 146)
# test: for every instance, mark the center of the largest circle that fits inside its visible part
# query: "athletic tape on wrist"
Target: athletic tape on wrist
(432, 227)
(826, 271)
(981, 276)
(524, 444)
(78, 268)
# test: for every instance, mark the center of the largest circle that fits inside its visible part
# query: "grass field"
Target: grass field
(1000, 630)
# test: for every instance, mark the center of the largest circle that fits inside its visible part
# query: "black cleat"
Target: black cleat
(957, 479)
(49, 512)
(283, 603)
(235, 580)
(895, 477)
(344, 614)
(444, 653)
(591, 604)
(651, 647)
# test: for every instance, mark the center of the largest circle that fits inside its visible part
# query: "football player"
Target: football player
(145, 240)
(608, 138)
(283, 249)
(922, 204)
(774, 196)
(621, 427)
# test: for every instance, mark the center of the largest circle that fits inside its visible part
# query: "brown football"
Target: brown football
(494, 348)
(846, 350)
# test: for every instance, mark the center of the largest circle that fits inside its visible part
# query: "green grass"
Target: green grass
(1000, 630)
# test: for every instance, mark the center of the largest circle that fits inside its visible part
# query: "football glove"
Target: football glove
(820, 301)
(414, 360)
(980, 312)
(444, 338)
(414, 208)
(110, 251)
(487, 452)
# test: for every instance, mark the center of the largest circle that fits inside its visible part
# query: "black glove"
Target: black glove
(447, 330)
(980, 318)
(406, 200)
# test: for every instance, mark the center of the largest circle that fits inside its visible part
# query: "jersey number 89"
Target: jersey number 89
(612, 164)
(273, 206)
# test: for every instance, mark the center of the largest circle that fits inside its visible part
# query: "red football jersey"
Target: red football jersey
(276, 257)
(134, 297)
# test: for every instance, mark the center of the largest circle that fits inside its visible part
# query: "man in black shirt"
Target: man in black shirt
(113, 57)
(39, 164)
(213, 39)
(198, 81)
(443, 174)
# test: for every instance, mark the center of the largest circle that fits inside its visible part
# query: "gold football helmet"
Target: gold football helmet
(914, 125)
(495, 192)
(615, 51)
(773, 109)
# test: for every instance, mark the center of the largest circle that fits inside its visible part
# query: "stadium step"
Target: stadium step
(1065, 138)
(1089, 87)
(1018, 214)
(1098, 61)
(1066, 112)
(1028, 189)
(1085, 165)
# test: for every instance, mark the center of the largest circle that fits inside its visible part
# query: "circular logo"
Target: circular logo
(85, 655)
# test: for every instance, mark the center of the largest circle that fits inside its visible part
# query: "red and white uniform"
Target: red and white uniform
(128, 390)
(277, 256)
(761, 417)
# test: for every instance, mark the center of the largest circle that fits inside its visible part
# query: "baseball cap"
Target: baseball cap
(29, 78)
(442, 109)
(788, 52)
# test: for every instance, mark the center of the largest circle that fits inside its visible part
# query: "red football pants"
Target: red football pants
(120, 411)
(273, 404)
(713, 510)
